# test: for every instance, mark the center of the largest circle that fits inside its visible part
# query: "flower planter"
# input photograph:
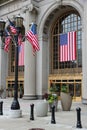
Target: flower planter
(55, 103)
(66, 101)
(41, 108)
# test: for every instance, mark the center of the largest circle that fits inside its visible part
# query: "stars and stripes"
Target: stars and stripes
(19, 39)
(21, 55)
(7, 40)
(31, 36)
(12, 27)
(68, 46)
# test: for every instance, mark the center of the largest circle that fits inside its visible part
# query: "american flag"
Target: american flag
(12, 27)
(68, 46)
(7, 40)
(21, 55)
(31, 36)
(19, 39)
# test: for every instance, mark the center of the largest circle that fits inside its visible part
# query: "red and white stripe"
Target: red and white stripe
(13, 29)
(33, 39)
(68, 51)
(21, 55)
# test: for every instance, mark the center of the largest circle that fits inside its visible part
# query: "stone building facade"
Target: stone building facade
(53, 18)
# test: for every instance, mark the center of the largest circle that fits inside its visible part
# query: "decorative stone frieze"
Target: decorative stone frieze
(29, 7)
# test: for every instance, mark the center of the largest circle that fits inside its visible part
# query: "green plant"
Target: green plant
(53, 88)
(65, 88)
(52, 98)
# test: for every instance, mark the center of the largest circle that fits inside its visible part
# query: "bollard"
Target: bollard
(1, 108)
(32, 112)
(53, 115)
(78, 118)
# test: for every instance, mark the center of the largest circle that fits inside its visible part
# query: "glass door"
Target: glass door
(78, 91)
(75, 87)
(75, 90)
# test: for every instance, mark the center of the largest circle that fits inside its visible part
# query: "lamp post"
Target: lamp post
(18, 24)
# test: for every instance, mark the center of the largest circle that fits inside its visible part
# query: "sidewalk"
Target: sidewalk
(65, 120)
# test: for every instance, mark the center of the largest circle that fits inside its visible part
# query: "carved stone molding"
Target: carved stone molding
(29, 7)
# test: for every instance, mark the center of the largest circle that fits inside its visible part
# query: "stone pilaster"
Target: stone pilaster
(84, 57)
(29, 61)
(42, 67)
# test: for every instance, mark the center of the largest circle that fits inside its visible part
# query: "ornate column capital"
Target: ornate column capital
(29, 7)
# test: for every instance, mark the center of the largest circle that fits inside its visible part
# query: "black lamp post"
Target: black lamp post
(18, 24)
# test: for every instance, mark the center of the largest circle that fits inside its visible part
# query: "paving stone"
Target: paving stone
(65, 120)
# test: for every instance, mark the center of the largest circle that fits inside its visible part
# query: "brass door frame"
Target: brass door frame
(76, 78)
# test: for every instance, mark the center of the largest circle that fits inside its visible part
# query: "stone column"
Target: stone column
(39, 71)
(29, 61)
(42, 67)
(84, 56)
(3, 71)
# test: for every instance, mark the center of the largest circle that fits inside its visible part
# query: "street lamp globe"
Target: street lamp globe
(18, 21)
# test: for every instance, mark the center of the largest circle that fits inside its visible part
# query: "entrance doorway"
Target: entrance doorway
(63, 69)
(75, 85)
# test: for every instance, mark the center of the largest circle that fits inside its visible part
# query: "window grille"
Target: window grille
(67, 23)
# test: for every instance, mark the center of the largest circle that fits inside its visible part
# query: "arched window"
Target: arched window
(69, 22)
